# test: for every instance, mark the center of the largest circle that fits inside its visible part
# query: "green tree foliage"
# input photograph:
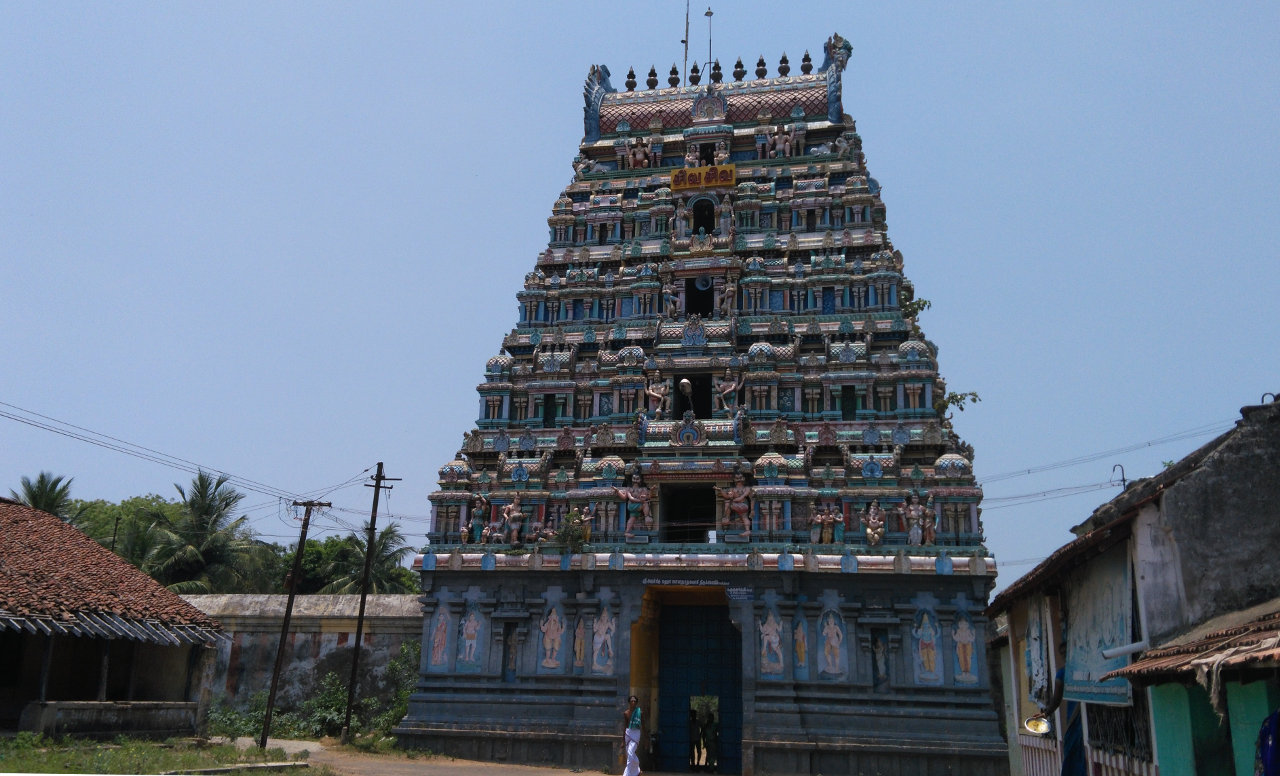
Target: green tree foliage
(386, 575)
(126, 528)
(47, 493)
(205, 549)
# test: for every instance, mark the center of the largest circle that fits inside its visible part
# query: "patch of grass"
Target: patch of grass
(30, 753)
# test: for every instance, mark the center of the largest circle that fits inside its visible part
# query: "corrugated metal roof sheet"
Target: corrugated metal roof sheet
(1254, 644)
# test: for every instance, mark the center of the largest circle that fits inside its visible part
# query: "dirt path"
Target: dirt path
(361, 764)
(355, 763)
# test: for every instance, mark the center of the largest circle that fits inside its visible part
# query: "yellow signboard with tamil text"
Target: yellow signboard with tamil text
(704, 177)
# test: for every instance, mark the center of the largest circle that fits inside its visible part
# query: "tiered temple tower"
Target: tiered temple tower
(713, 465)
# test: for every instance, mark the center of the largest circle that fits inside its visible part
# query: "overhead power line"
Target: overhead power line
(115, 444)
(1210, 428)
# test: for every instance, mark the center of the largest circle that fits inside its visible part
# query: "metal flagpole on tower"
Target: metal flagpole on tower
(709, 14)
(686, 45)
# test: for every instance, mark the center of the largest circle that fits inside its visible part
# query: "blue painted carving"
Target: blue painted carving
(616, 561)
(552, 628)
(695, 333)
(488, 562)
(787, 401)
(429, 561)
(528, 441)
(606, 405)
(965, 638)
(800, 648)
(870, 436)
(943, 565)
(471, 640)
(836, 52)
(871, 470)
(901, 436)
(535, 338)
(597, 87)
(771, 629)
(786, 561)
(833, 661)
(926, 646)
(589, 336)
(520, 473)
(501, 442)
(436, 651)
(849, 562)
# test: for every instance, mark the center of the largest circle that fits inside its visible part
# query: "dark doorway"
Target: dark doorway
(810, 221)
(688, 512)
(704, 216)
(699, 657)
(698, 400)
(707, 153)
(549, 411)
(849, 403)
(699, 296)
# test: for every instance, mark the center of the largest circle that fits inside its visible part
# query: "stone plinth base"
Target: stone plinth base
(153, 719)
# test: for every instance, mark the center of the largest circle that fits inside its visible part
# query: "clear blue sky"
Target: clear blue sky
(282, 239)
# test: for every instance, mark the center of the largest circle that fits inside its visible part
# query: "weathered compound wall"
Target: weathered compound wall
(322, 633)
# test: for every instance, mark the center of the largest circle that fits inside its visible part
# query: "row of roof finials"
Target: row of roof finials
(739, 72)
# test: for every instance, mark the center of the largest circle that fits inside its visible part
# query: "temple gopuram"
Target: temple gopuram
(713, 466)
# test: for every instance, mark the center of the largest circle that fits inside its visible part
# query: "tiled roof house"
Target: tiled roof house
(88, 643)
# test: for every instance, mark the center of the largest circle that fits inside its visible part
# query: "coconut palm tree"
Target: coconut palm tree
(386, 575)
(204, 549)
(48, 493)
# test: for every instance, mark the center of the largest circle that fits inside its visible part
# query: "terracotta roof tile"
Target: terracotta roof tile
(49, 569)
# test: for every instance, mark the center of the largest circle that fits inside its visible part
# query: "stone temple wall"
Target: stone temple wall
(835, 671)
(322, 630)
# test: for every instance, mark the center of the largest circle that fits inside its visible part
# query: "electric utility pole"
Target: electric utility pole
(291, 584)
(378, 487)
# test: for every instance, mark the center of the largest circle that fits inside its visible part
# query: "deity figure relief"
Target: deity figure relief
(727, 390)
(671, 300)
(880, 662)
(602, 642)
(583, 521)
(470, 637)
(926, 636)
(780, 143)
(493, 532)
(660, 393)
(552, 629)
(964, 636)
(737, 504)
(638, 154)
(801, 643)
(832, 641)
(770, 644)
(873, 520)
(439, 638)
(512, 516)
(691, 155)
(722, 152)
(579, 643)
(913, 520)
(636, 499)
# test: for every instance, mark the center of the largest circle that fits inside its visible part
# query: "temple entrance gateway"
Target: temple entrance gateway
(699, 670)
